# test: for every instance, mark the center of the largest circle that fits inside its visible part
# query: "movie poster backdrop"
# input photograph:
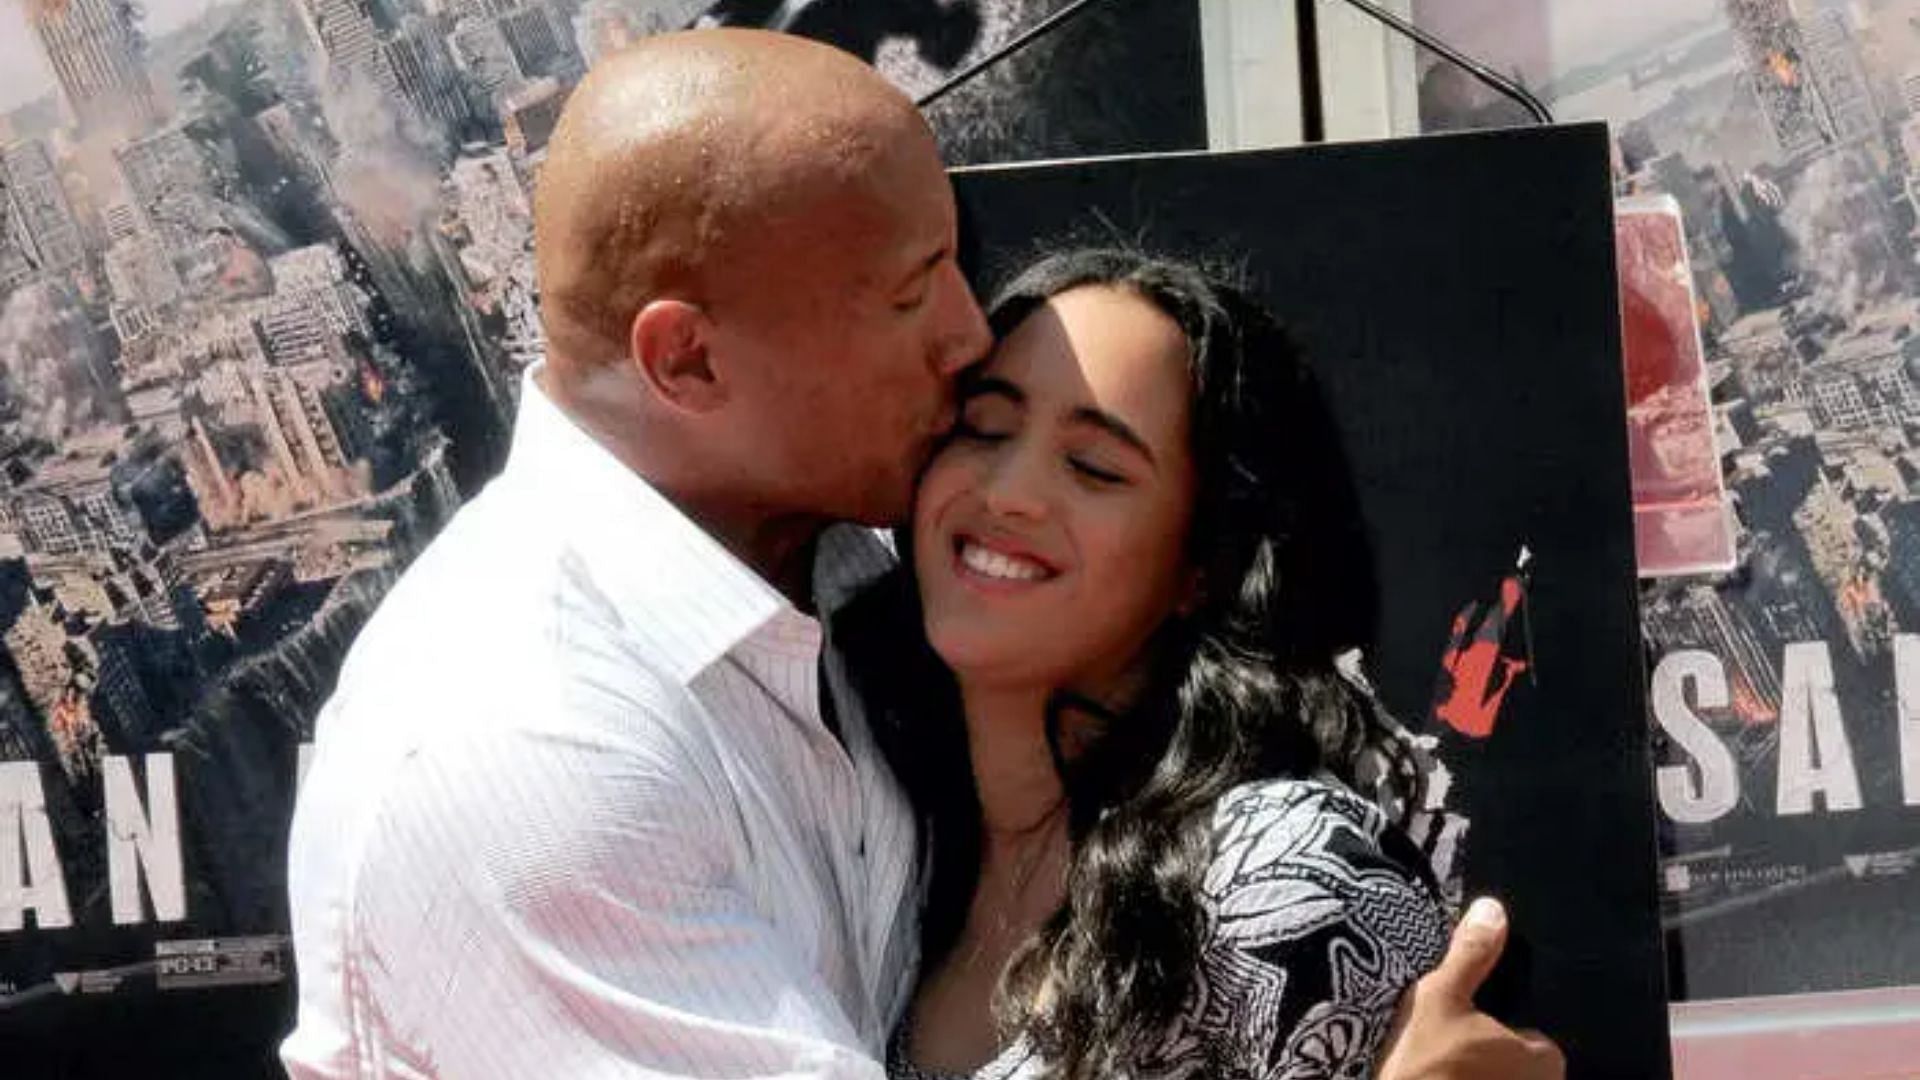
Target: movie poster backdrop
(1785, 694)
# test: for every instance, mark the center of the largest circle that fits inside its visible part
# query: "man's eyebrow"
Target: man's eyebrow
(927, 265)
(1112, 425)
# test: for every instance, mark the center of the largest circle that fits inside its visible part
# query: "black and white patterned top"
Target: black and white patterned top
(1322, 917)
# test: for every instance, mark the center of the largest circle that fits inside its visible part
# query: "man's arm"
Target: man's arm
(545, 903)
(1438, 1033)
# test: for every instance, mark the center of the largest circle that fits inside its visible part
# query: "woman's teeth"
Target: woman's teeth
(993, 564)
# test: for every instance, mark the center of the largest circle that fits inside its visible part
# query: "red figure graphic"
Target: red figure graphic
(1478, 668)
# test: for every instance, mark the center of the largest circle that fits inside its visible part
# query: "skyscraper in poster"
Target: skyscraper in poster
(18, 259)
(349, 36)
(424, 71)
(45, 213)
(1840, 77)
(1773, 48)
(96, 51)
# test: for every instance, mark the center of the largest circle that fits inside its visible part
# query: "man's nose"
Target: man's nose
(968, 336)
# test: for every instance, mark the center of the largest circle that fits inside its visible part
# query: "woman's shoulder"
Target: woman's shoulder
(1286, 798)
(1319, 919)
(1297, 857)
(1258, 826)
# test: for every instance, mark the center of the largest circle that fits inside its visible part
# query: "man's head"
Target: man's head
(745, 246)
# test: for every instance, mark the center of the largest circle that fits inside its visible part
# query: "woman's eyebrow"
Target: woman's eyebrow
(1112, 425)
(992, 386)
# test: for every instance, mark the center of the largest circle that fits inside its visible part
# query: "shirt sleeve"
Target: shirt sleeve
(545, 903)
(1322, 920)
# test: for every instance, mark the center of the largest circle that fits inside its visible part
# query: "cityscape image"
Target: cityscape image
(264, 300)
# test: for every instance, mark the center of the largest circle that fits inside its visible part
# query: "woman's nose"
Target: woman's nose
(1013, 487)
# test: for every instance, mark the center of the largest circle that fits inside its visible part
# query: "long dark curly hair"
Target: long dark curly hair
(1246, 687)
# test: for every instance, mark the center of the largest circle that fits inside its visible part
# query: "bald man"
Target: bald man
(576, 808)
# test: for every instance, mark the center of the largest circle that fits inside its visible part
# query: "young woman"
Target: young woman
(1175, 853)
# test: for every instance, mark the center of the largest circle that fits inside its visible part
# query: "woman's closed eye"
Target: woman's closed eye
(987, 418)
(1098, 474)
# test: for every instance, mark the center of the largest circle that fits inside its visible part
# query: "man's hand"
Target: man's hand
(1438, 1034)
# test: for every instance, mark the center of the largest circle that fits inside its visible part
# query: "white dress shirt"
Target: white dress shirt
(573, 810)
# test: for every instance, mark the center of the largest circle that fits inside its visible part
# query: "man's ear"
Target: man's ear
(669, 348)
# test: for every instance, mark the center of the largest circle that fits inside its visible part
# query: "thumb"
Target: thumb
(1470, 958)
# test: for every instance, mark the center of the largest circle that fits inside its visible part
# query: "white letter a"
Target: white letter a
(38, 884)
(1815, 757)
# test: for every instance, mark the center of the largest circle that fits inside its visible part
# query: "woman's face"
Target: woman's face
(1050, 534)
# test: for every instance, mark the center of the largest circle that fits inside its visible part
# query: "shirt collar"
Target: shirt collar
(667, 582)
(653, 563)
